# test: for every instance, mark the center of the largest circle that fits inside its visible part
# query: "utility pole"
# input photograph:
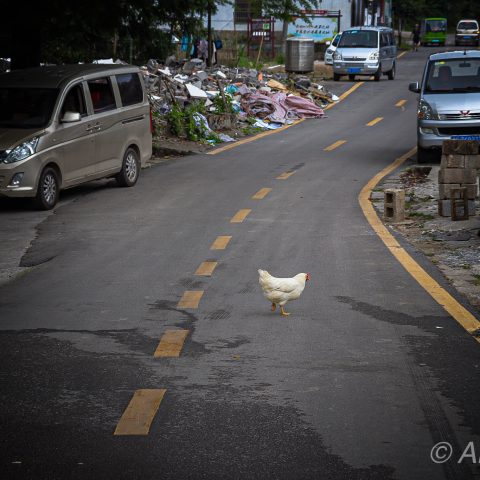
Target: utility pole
(209, 33)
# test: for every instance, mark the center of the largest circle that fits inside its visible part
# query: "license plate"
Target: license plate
(467, 38)
(465, 137)
(354, 70)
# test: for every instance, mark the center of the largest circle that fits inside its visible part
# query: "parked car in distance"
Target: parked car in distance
(433, 31)
(64, 125)
(365, 51)
(467, 33)
(332, 46)
(449, 101)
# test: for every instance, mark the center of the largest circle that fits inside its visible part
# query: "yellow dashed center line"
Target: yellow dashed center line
(206, 269)
(401, 103)
(335, 145)
(171, 343)
(262, 193)
(190, 299)
(139, 414)
(438, 293)
(374, 121)
(401, 55)
(221, 242)
(285, 175)
(240, 216)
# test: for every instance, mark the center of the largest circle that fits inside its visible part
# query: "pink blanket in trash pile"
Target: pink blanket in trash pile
(278, 107)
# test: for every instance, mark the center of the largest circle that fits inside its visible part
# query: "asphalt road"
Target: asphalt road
(360, 382)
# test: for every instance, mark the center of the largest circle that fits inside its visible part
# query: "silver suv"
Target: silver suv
(449, 102)
(64, 125)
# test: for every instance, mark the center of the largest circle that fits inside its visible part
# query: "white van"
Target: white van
(365, 51)
(64, 125)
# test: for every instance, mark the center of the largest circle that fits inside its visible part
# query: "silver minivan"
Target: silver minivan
(64, 125)
(365, 51)
(449, 101)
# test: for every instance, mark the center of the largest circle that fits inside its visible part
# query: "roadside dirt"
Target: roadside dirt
(453, 246)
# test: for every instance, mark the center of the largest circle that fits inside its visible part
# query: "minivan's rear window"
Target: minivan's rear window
(359, 39)
(26, 107)
(457, 75)
(467, 26)
(130, 88)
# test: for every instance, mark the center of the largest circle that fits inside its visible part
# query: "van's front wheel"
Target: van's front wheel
(391, 73)
(48, 190)
(128, 175)
(378, 74)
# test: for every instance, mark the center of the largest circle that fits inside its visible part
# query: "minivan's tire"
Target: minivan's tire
(391, 73)
(128, 175)
(378, 75)
(48, 189)
(351, 77)
(336, 77)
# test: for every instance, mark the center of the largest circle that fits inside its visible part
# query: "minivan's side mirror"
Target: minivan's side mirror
(328, 43)
(69, 117)
(414, 87)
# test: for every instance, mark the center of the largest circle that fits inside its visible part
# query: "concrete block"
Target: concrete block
(444, 190)
(445, 208)
(394, 205)
(452, 161)
(461, 147)
(472, 161)
(457, 175)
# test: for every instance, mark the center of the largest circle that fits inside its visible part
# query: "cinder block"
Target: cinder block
(472, 161)
(461, 147)
(394, 205)
(445, 208)
(457, 175)
(452, 161)
(444, 190)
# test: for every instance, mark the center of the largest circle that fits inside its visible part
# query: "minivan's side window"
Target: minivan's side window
(102, 94)
(74, 101)
(383, 40)
(130, 88)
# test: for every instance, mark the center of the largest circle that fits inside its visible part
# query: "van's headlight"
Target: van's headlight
(425, 111)
(22, 151)
(337, 56)
(373, 56)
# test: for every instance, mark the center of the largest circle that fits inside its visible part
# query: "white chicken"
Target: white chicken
(281, 290)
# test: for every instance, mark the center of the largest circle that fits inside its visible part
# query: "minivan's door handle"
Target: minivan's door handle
(89, 128)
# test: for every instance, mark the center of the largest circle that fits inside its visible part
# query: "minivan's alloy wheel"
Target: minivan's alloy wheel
(48, 189)
(128, 175)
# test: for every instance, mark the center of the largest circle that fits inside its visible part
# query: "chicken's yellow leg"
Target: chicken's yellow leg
(283, 312)
(274, 306)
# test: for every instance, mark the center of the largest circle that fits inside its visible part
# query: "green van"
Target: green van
(433, 31)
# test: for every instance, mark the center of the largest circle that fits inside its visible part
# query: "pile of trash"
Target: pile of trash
(229, 97)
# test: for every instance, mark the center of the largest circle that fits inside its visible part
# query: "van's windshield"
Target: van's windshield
(26, 107)
(435, 25)
(457, 75)
(359, 39)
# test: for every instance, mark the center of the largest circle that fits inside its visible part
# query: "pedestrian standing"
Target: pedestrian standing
(416, 37)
